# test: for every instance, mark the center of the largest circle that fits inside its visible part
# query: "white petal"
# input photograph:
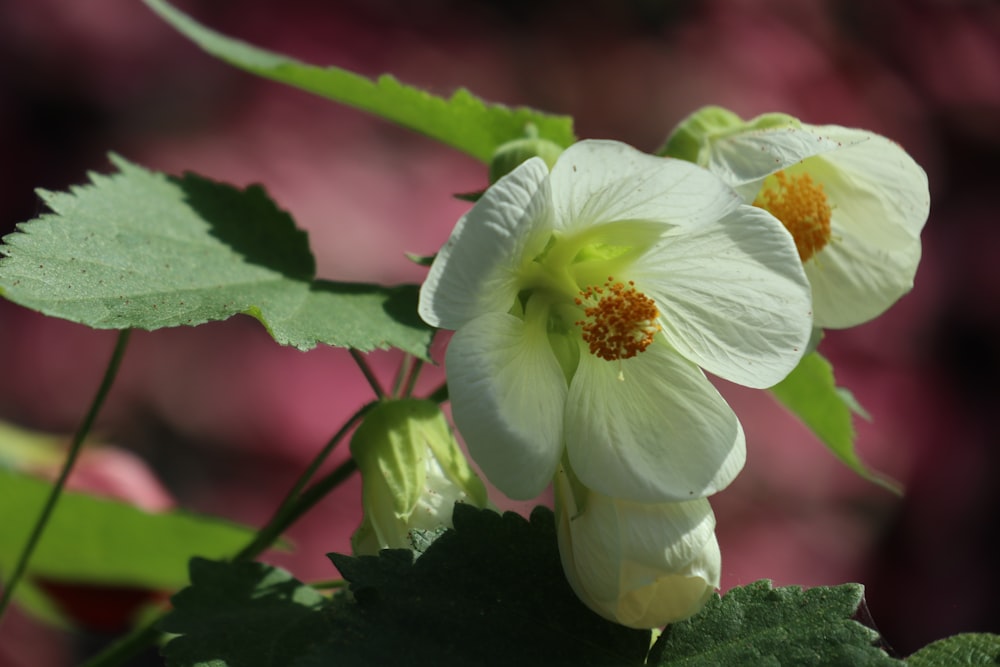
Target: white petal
(662, 434)
(475, 271)
(508, 394)
(879, 193)
(747, 157)
(667, 536)
(733, 297)
(641, 565)
(597, 182)
(854, 282)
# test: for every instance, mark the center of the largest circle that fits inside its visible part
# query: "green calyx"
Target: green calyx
(511, 154)
(692, 137)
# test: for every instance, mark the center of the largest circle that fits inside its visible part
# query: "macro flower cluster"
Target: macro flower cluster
(592, 290)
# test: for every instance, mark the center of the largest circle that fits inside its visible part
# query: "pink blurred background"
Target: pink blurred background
(227, 419)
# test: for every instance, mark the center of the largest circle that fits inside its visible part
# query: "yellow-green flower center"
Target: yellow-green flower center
(802, 207)
(619, 320)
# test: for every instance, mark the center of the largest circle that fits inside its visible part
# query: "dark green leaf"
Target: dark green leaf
(489, 592)
(761, 625)
(244, 614)
(965, 649)
(462, 121)
(140, 249)
(812, 395)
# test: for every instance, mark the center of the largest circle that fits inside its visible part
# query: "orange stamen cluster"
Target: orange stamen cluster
(620, 320)
(803, 209)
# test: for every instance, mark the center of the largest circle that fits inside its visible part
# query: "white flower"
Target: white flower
(640, 565)
(412, 474)
(854, 201)
(584, 301)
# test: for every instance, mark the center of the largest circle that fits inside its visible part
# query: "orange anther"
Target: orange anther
(802, 207)
(619, 324)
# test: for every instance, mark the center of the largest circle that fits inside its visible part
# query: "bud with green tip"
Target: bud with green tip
(412, 474)
(512, 153)
(692, 139)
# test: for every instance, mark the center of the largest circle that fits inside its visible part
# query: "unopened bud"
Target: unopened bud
(691, 139)
(412, 474)
(641, 565)
(509, 155)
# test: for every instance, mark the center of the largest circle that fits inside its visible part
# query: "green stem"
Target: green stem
(286, 514)
(74, 451)
(295, 504)
(307, 500)
(404, 370)
(367, 372)
(411, 379)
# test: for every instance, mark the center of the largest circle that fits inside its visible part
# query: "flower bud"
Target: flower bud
(412, 474)
(642, 565)
(692, 137)
(509, 155)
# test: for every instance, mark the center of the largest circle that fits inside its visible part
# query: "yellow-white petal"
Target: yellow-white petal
(882, 177)
(854, 282)
(660, 433)
(507, 393)
(733, 297)
(596, 182)
(475, 272)
(641, 565)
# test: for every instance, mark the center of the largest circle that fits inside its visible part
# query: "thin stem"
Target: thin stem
(366, 370)
(411, 379)
(285, 515)
(74, 451)
(402, 373)
(310, 497)
(292, 507)
(320, 458)
(329, 584)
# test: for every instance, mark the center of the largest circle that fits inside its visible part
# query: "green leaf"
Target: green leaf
(812, 395)
(104, 541)
(462, 121)
(244, 614)
(140, 249)
(761, 625)
(489, 592)
(964, 649)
